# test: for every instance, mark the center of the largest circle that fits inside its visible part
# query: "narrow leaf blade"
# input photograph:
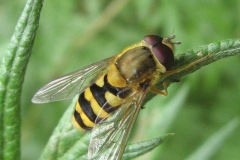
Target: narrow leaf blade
(12, 71)
(140, 148)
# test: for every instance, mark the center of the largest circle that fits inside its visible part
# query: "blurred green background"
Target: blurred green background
(73, 34)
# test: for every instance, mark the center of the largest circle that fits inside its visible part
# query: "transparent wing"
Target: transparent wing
(71, 84)
(110, 137)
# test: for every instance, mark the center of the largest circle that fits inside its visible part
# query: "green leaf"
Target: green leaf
(67, 142)
(207, 54)
(140, 148)
(12, 71)
(215, 142)
(190, 61)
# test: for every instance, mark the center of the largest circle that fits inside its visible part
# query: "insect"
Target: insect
(111, 92)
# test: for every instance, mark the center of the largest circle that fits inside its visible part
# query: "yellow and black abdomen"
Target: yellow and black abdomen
(98, 101)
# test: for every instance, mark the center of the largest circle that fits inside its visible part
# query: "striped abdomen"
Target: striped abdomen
(98, 101)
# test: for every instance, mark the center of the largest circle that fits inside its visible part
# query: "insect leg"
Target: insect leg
(157, 91)
(171, 72)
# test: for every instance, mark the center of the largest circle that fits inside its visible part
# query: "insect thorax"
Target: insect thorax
(136, 64)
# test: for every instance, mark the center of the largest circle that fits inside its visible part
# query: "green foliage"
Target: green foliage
(67, 142)
(12, 69)
(215, 142)
(140, 148)
(71, 32)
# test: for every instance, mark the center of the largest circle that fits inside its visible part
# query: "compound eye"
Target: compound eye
(153, 40)
(164, 55)
(162, 52)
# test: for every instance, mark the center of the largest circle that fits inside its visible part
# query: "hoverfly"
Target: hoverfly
(113, 89)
